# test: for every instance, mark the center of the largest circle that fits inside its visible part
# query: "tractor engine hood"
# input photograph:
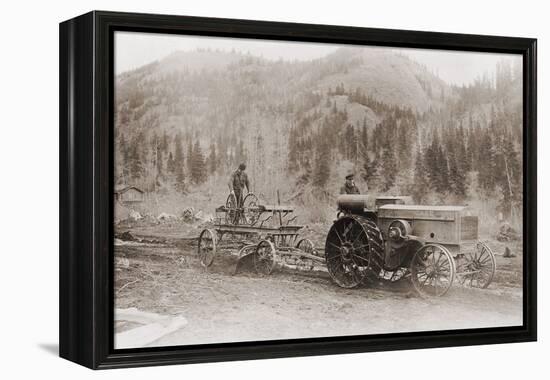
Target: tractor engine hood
(352, 203)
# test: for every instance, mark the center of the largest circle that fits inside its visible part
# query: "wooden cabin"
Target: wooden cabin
(129, 195)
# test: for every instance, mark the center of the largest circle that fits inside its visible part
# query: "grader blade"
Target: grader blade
(246, 260)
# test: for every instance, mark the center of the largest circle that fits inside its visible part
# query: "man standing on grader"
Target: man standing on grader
(237, 182)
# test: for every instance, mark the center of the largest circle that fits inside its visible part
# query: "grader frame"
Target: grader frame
(267, 233)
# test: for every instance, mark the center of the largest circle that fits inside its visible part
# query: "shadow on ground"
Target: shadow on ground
(51, 348)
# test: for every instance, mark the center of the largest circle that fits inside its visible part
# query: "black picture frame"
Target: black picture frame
(86, 188)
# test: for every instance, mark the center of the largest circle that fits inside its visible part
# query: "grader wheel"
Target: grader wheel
(353, 249)
(306, 246)
(207, 247)
(231, 215)
(250, 209)
(432, 270)
(264, 257)
(478, 267)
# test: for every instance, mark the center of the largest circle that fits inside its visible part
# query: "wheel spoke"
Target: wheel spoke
(435, 285)
(338, 236)
(358, 236)
(333, 257)
(353, 275)
(360, 247)
(438, 258)
(480, 267)
(427, 278)
(487, 259)
(432, 270)
(348, 248)
(264, 258)
(360, 258)
(334, 245)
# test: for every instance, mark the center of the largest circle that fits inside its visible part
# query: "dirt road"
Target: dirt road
(163, 275)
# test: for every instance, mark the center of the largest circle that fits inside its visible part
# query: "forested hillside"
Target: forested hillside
(184, 123)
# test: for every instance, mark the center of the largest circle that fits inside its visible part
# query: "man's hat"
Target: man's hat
(242, 166)
(350, 176)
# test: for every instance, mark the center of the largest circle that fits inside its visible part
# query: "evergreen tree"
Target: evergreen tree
(221, 154)
(178, 164)
(136, 159)
(436, 165)
(165, 142)
(457, 177)
(389, 169)
(258, 162)
(404, 145)
(305, 178)
(486, 165)
(293, 149)
(352, 143)
(374, 173)
(159, 159)
(170, 166)
(321, 172)
(125, 158)
(421, 181)
(189, 155)
(240, 154)
(364, 148)
(442, 184)
(461, 153)
(509, 178)
(136, 163)
(198, 165)
(213, 159)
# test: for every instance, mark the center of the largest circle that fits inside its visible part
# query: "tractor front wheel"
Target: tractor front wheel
(432, 270)
(477, 268)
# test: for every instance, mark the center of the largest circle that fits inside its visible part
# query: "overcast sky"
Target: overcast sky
(133, 50)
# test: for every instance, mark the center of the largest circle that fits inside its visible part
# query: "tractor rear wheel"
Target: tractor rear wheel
(353, 249)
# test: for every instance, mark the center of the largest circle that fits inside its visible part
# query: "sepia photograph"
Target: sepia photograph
(271, 190)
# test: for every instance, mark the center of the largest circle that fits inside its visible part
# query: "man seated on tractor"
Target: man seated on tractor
(237, 182)
(349, 187)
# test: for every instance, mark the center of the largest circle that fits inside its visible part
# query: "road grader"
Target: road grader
(432, 246)
(266, 233)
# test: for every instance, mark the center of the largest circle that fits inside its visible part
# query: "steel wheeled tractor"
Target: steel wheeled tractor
(433, 246)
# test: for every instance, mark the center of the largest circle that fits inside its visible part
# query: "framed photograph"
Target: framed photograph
(236, 189)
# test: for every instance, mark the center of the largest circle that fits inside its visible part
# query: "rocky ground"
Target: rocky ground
(157, 270)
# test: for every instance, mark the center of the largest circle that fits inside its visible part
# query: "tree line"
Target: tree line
(461, 148)
(159, 162)
(424, 155)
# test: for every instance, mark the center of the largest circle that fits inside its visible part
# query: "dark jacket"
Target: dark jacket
(238, 180)
(349, 189)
